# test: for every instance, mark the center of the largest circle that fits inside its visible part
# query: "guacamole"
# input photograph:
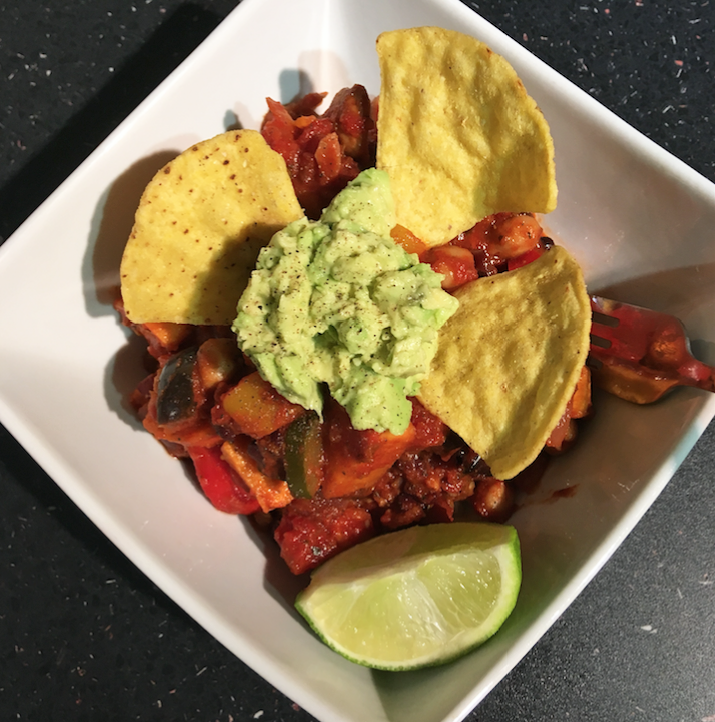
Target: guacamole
(337, 302)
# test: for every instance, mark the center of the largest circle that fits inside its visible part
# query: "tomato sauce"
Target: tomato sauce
(206, 403)
(323, 153)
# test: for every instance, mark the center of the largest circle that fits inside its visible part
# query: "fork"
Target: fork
(639, 354)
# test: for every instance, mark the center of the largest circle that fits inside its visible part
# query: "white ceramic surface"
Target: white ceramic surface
(634, 216)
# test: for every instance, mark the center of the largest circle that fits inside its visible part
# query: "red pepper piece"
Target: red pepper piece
(220, 483)
(525, 258)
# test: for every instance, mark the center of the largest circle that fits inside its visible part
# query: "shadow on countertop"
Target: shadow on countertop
(167, 47)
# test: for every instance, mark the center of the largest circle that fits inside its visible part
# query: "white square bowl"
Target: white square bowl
(635, 217)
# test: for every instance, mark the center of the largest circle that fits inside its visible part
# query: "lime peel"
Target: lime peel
(418, 597)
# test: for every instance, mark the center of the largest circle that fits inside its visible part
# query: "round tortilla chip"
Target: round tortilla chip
(510, 358)
(458, 134)
(199, 227)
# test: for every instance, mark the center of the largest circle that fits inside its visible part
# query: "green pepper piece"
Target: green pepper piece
(304, 455)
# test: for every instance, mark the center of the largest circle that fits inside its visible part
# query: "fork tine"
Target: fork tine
(628, 330)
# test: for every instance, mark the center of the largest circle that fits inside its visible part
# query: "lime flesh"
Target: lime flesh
(417, 597)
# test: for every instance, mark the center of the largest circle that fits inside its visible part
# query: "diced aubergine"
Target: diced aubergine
(175, 388)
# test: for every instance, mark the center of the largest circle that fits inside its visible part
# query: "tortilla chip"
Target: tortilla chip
(198, 229)
(458, 134)
(509, 359)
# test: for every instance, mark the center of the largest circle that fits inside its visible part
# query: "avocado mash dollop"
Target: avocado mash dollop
(338, 302)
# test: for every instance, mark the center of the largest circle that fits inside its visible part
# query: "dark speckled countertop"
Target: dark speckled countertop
(85, 636)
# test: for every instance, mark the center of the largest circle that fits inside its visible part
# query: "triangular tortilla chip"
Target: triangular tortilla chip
(458, 134)
(509, 359)
(198, 229)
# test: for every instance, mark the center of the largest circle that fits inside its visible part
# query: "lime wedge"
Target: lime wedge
(417, 597)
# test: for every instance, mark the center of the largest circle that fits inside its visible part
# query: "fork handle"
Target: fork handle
(640, 384)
